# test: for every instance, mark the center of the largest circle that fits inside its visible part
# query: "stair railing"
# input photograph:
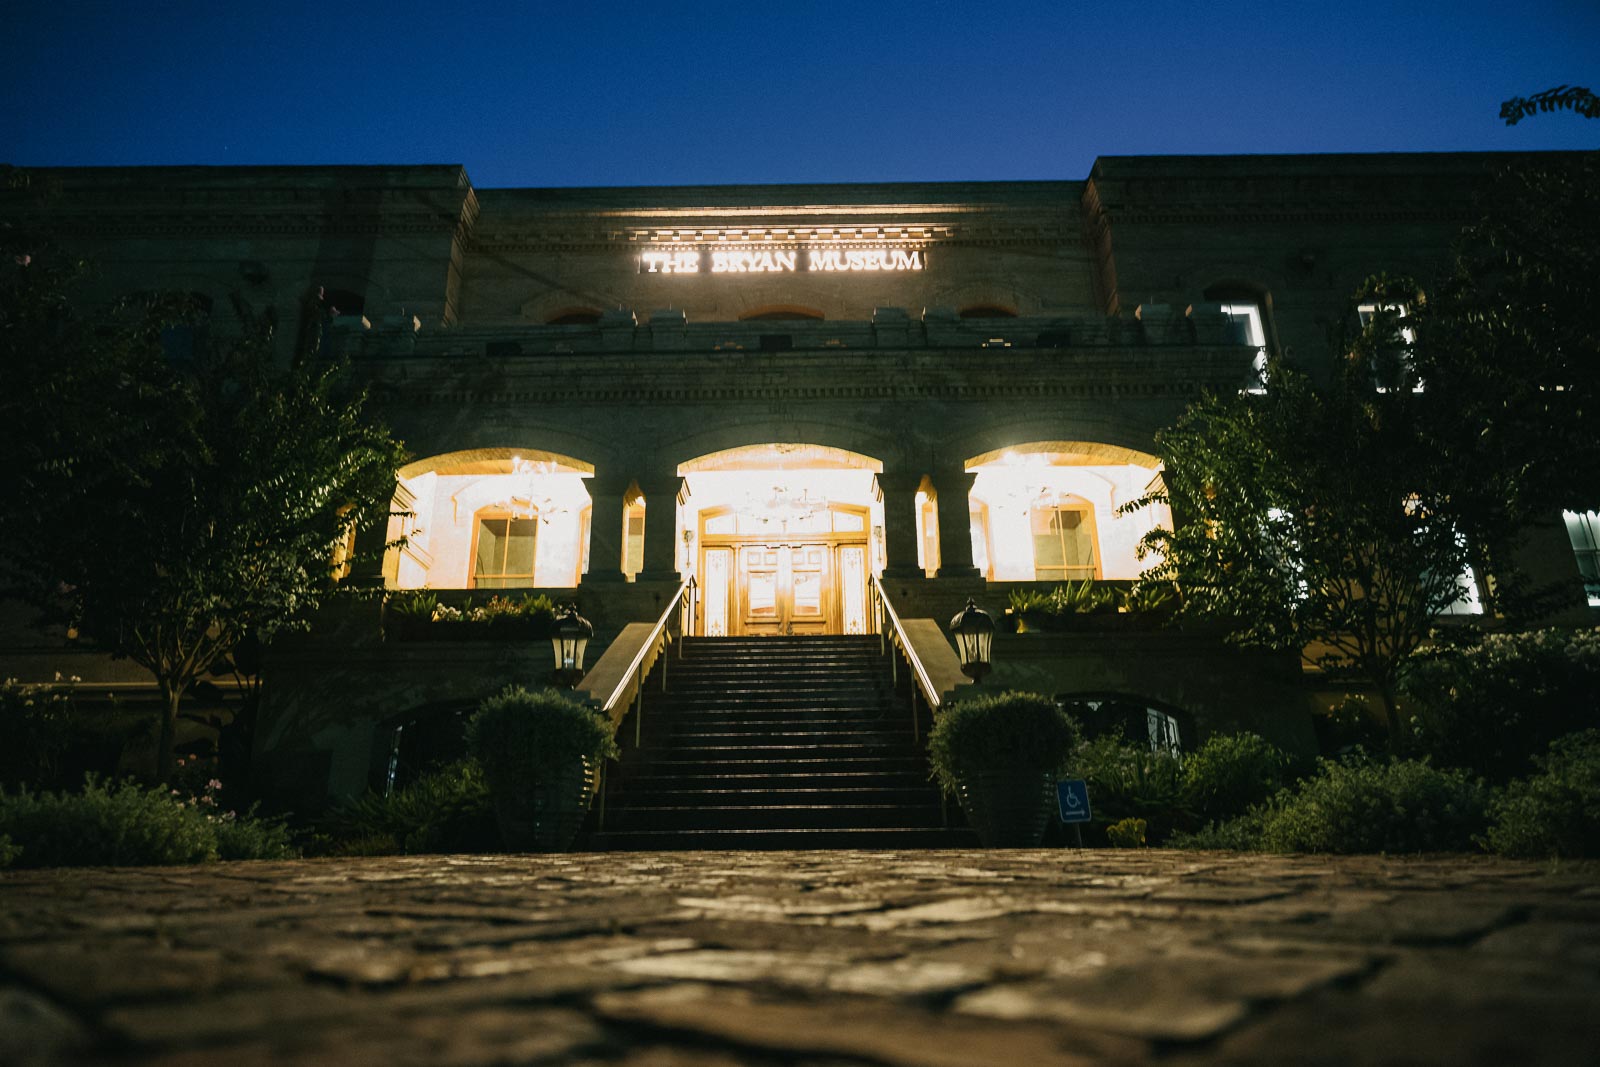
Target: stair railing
(894, 643)
(676, 620)
(677, 616)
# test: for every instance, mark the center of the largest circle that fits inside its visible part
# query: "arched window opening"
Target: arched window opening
(183, 341)
(987, 311)
(633, 520)
(575, 317)
(1049, 511)
(783, 313)
(1135, 719)
(343, 303)
(1246, 308)
(1583, 530)
(489, 518)
(422, 742)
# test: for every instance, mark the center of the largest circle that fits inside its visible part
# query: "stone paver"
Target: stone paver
(805, 958)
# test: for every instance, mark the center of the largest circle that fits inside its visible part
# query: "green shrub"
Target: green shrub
(445, 811)
(35, 729)
(1555, 813)
(1230, 774)
(1073, 598)
(125, 824)
(251, 837)
(1347, 727)
(1242, 833)
(1364, 805)
(1004, 733)
(519, 732)
(1491, 706)
(1126, 833)
(8, 852)
(1150, 598)
(1132, 781)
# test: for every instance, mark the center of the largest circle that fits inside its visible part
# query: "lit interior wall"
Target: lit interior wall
(757, 492)
(1007, 489)
(441, 534)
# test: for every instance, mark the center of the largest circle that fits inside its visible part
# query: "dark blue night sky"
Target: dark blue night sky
(657, 93)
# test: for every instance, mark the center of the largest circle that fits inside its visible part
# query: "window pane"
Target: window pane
(491, 550)
(519, 546)
(1076, 550)
(1046, 538)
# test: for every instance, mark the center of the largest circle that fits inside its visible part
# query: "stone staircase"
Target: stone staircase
(774, 742)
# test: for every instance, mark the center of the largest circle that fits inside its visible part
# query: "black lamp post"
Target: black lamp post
(974, 633)
(568, 639)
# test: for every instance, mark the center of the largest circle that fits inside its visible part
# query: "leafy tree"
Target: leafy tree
(1509, 348)
(1573, 98)
(173, 509)
(1315, 520)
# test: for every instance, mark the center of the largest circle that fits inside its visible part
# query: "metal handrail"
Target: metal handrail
(892, 632)
(683, 601)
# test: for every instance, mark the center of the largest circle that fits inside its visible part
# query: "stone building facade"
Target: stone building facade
(779, 390)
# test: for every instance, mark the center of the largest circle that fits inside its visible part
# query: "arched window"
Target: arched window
(783, 313)
(503, 549)
(182, 341)
(987, 311)
(1063, 539)
(1246, 307)
(343, 303)
(1137, 719)
(575, 317)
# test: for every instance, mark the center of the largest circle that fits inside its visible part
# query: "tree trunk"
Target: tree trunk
(1391, 716)
(165, 757)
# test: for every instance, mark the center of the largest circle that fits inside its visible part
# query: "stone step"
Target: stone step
(763, 738)
(670, 762)
(903, 837)
(771, 816)
(777, 780)
(686, 727)
(659, 795)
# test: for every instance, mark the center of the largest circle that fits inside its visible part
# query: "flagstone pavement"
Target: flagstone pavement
(806, 959)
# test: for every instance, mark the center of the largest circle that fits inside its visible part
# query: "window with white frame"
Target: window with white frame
(1583, 529)
(1387, 376)
(1248, 324)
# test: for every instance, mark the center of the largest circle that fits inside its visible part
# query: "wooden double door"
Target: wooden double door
(783, 586)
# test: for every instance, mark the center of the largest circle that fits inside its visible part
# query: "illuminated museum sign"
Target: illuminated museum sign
(779, 261)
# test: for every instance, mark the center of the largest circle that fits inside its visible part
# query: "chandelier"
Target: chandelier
(522, 499)
(785, 506)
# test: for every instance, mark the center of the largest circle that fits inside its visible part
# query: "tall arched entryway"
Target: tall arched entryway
(782, 538)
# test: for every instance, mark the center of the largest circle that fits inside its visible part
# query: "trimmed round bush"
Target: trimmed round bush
(1006, 733)
(1232, 773)
(520, 732)
(1555, 813)
(1370, 806)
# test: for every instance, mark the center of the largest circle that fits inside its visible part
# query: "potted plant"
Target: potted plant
(539, 752)
(999, 756)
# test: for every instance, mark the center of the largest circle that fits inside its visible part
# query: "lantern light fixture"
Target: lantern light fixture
(568, 639)
(973, 629)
